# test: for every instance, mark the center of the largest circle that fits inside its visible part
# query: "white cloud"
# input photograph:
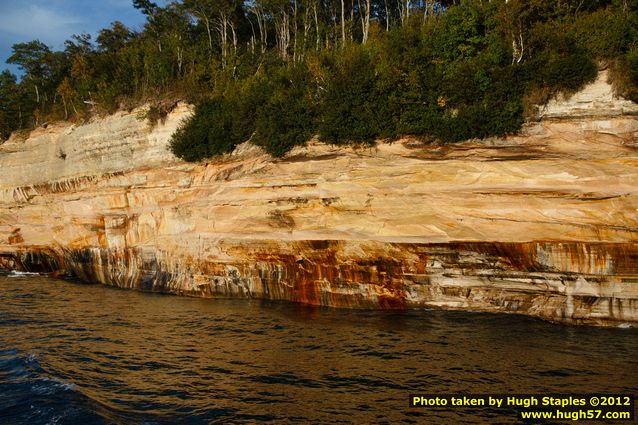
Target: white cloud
(29, 22)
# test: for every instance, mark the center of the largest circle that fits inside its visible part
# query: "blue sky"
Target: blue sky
(53, 21)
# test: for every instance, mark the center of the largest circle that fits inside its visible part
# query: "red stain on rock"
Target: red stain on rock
(15, 237)
(485, 276)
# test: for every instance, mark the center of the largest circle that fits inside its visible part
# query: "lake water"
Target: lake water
(79, 353)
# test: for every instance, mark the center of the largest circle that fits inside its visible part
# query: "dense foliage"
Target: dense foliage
(278, 73)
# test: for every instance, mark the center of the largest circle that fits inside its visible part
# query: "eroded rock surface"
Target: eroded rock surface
(542, 223)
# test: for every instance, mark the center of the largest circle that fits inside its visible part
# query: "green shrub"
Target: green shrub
(624, 75)
(559, 63)
(631, 60)
(606, 33)
(286, 117)
(349, 112)
(213, 129)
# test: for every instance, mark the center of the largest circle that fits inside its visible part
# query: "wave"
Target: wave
(49, 386)
(31, 395)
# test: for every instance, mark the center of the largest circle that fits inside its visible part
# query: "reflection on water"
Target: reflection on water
(72, 352)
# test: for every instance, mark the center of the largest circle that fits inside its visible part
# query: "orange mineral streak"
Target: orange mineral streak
(566, 282)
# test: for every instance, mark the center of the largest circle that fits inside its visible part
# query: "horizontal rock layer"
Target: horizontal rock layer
(542, 223)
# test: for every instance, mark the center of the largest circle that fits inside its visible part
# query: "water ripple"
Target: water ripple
(74, 353)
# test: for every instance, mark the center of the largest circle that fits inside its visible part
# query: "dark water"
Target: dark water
(77, 353)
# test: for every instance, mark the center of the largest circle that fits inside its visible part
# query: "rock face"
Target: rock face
(544, 223)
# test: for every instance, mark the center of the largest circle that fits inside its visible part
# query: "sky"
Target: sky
(54, 21)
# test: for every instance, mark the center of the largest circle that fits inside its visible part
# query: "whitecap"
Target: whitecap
(15, 273)
(48, 386)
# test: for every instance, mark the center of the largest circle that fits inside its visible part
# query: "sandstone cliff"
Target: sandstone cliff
(543, 223)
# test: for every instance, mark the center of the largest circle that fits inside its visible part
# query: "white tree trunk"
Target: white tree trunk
(343, 23)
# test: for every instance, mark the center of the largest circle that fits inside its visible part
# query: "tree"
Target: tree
(43, 70)
(78, 45)
(66, 92)
(10, 113)
(114, 38)
(146, 6)
(216, 15)
(31, 58)
(203, 11)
